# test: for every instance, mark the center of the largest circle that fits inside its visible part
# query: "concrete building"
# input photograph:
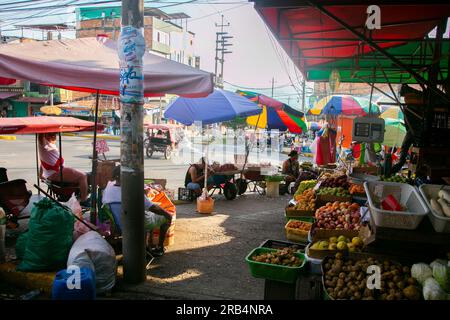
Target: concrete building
(164, 33)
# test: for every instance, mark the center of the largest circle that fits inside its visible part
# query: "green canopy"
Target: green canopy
(370, 67)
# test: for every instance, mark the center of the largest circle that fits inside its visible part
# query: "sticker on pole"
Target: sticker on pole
(131, 49)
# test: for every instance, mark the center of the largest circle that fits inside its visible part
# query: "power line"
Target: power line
(252, 88)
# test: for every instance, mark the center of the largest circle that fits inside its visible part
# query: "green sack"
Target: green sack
(21, 244)
(49, 238)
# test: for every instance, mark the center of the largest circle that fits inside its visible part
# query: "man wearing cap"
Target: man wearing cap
(291, 167)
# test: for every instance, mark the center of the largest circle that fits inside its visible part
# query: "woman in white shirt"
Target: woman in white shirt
(51, 163)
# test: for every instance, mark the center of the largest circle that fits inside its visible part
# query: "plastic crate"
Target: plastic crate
(428, 191)
(407, 195)
(272, 271)
(315, 265)
(306, 219)
(296, 235)
(278, 244)
(185, 194)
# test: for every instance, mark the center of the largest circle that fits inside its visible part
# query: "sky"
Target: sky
(256, 56)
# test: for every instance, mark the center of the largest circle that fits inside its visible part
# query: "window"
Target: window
(158, 37)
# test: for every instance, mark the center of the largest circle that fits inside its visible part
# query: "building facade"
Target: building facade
(164, 33)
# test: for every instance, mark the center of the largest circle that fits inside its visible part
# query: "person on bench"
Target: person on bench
(155, 216)
(195, 177)
(51, 164)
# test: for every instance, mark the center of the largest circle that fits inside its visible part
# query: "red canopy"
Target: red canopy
(90, 64)
(44, 124)
(312, 38)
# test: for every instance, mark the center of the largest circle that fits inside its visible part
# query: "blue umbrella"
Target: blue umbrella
(221, 105)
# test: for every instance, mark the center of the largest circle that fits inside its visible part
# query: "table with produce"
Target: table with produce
(340, 230)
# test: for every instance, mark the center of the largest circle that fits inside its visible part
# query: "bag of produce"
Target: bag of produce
(421, 272)
(432, 290)
(92, 251)
(441, 273)
(49, 238)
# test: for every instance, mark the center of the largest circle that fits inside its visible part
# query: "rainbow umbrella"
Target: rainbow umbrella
(392, 113)
(344, 105)
(275, 114)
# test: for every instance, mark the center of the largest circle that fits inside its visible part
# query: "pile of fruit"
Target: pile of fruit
(339, 216)
(356, 189)
(339, 243)
(306, 200)
(334, 182)
(441, 205)
(305, 174)
(336, 191)
(300, 225)
(284, 257)
(396, 178)
(348, 279)
(305, 185)
(306, 165)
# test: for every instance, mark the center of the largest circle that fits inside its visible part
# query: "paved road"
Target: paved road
(19, 157)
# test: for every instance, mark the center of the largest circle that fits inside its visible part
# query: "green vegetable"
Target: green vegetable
(421, 272)
(441, 273)
(432, 290)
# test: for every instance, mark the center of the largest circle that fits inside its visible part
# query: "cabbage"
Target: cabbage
(421, 272)
(439, 261)
(441, 273)
(432, 290)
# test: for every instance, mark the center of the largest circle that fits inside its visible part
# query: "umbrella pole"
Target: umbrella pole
(94, 166)
(60, 160)
(206, 166)
(37, 164)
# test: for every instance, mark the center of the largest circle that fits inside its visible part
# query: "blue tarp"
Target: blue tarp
(221, 105)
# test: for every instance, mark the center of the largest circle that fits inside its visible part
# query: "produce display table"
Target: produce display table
(422, 243)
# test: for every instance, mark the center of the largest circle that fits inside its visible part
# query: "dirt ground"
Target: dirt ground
(207, 260)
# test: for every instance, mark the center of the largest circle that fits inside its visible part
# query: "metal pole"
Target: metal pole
(94, 166)
(388, 55)
(303, 95)
(131, 50)
(37, 164)
(273, 82)
(60, 159)
(217, 59)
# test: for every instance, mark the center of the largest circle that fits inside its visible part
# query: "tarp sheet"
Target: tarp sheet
(90, 64)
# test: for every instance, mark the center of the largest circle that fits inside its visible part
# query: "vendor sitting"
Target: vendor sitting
(195, 177)
(52, 164)
(291, 167)
(155, 216)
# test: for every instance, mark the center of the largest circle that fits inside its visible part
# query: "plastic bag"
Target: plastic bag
(73, 205)
(79, 228)
(92, 251)
(49, 238)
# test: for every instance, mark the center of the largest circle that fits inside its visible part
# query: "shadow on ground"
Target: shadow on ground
(207, 260)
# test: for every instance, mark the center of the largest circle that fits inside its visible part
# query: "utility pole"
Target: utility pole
(131, 48)
(221, 44)
(273, 83)
(303, 94)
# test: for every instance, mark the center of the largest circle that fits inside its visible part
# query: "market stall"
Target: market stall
(337, 220)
